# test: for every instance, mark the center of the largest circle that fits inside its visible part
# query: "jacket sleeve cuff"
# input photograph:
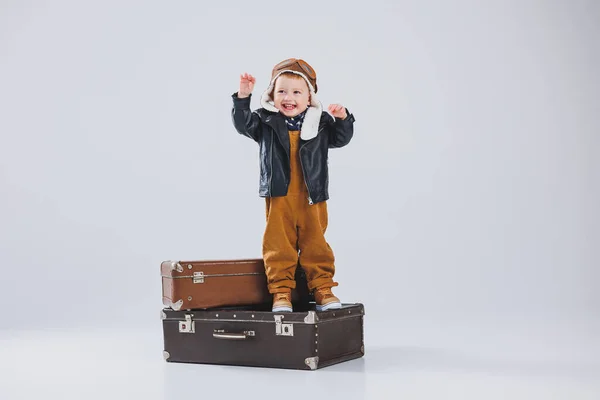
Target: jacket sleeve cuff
(241, 103)
(349, 118)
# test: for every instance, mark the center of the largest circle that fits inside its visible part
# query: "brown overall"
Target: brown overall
(295, 232)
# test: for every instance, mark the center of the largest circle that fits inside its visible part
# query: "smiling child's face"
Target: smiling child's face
(291, 95)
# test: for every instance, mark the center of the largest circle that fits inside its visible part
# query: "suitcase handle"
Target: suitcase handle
(233, 336)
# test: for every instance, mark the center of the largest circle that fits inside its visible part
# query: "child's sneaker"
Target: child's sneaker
(325, 300)
(282, 302)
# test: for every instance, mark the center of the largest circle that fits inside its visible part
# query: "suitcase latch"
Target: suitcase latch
(282, 329)
(198, 277)
(187, 326)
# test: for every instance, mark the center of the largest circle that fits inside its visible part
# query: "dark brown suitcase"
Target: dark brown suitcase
(204, 284)
(305, 340)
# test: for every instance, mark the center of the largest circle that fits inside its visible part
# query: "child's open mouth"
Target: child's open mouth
(289, 107)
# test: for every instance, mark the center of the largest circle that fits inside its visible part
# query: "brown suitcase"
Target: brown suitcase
(204, 284)
(303, 339)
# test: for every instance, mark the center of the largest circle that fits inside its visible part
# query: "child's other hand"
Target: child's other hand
(247, 82)
(338, 111)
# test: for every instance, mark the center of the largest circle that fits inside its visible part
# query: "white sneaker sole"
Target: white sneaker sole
(282, 309)
(330, 306)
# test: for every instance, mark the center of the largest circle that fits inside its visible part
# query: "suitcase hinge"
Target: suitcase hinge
(199, 277)
(187, 326)
(282, 329)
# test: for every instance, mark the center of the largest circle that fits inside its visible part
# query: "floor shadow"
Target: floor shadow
(410, 359)
(356, 365)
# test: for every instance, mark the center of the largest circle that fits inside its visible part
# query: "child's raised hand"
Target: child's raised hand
(247, 82)
(338, 111)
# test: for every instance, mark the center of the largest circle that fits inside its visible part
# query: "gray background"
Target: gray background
(469, 192)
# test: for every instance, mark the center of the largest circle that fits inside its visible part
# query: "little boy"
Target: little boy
(294, 135)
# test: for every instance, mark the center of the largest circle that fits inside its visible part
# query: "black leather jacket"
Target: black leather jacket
(270, 131)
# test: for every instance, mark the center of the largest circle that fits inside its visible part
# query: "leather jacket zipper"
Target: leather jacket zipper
(304, 176)
(271, 166)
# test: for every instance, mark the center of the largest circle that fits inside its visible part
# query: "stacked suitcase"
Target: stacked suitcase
(219, 312)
